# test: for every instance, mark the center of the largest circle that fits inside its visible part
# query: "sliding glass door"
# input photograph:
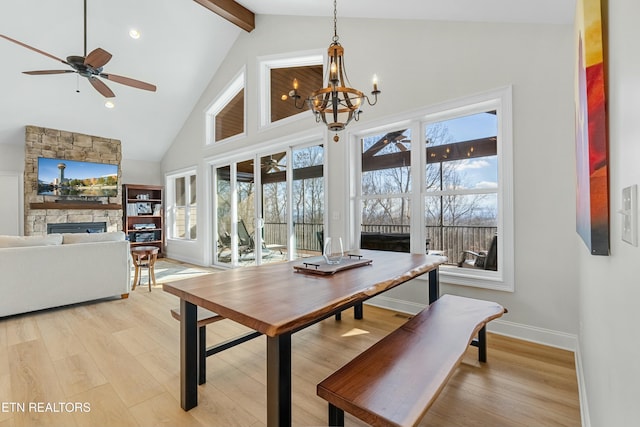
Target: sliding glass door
(269, 208)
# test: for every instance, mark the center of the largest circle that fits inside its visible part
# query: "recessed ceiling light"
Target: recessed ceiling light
(134, 34)
(109, 104)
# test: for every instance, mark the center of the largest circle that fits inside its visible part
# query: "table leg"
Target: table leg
(434, 285)
(188, 355)
(279, 380)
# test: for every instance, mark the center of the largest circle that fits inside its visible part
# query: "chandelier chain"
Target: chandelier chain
(336, 104)
(335, 21)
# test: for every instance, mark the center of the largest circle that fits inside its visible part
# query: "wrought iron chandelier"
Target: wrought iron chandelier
(336, 104)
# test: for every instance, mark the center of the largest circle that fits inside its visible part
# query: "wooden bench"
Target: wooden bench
(395, 382)
(205, 317)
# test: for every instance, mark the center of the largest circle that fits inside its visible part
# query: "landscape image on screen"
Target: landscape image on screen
(58, 177)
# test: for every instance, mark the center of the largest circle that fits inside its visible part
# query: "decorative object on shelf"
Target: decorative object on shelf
(143, 226)
(336, 104)
(144, 209)
(157, 209)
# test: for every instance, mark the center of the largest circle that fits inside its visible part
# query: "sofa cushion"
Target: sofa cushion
(24, 241)
(114, 236)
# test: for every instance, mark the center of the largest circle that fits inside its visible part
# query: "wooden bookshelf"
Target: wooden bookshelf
(143, 215)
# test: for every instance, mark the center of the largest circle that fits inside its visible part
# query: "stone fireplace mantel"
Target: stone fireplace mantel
(54, 205)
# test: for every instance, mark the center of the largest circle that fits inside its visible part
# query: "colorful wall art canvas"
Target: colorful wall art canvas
(592, 220)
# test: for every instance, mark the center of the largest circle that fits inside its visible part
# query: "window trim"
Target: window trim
(238, 83)
(499, 99)
(170, 219)
(265, 64)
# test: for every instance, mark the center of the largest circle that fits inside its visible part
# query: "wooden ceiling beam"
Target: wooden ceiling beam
(232, 12)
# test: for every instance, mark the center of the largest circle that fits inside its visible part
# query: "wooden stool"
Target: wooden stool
(144, 256)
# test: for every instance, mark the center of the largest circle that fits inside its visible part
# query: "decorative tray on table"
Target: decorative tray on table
(318, 265)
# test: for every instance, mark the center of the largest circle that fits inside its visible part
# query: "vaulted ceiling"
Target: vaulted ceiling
(181, 46)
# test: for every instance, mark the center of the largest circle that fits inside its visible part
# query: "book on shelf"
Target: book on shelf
(132, 209)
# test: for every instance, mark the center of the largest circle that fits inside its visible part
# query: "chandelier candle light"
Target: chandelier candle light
(337, 103)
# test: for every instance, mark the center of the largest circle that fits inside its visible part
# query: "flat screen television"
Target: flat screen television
(60, 177)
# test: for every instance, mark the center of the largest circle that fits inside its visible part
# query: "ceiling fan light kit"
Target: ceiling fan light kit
(89, 66)
(336, 104)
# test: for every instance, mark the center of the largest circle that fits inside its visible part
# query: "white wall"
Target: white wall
(610, 286)
(12, 156)
(420, 64)
(141, 172)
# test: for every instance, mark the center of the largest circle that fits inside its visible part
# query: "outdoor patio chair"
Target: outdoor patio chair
(246, 243)
(486, 260)
(224, 243)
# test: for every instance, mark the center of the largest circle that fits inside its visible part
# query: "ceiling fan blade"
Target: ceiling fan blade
(37, 73)
(129, 82)
(97, 58)
(33, 49)
(101, 87)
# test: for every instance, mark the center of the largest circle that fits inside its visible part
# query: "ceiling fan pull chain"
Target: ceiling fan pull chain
(77, 83)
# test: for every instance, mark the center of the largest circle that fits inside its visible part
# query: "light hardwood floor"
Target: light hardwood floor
(120, 359)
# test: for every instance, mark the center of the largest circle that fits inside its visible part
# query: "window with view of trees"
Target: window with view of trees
(461, 182)
(184, 207)
(441, 183)
(386, 186)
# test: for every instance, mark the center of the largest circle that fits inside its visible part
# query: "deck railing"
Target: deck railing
(452, 240)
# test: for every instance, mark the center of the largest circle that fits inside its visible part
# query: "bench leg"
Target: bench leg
(202, 355)
(336, 416)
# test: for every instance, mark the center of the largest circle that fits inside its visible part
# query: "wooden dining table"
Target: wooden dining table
(277, 300)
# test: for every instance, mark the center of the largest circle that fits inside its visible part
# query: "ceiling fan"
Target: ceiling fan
(89, 66)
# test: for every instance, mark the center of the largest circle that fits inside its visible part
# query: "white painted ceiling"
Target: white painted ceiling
(181, 47)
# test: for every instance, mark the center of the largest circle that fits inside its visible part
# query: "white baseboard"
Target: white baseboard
(184, 259)
(499, 326)
(582, 391)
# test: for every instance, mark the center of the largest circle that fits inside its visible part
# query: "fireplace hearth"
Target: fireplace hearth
(77, 227)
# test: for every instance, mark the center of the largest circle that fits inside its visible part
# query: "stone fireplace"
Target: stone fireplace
(40, 210)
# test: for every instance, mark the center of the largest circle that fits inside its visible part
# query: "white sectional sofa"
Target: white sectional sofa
(38, 272)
